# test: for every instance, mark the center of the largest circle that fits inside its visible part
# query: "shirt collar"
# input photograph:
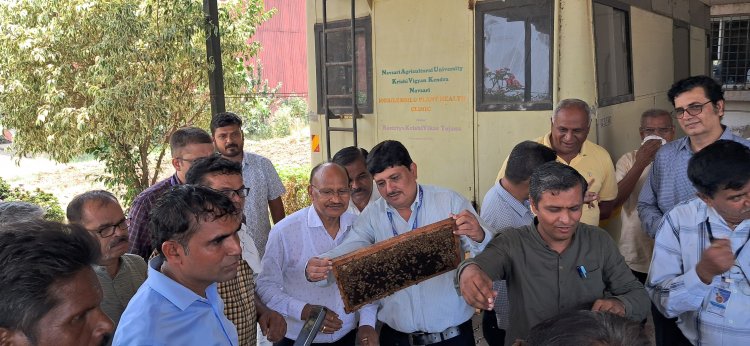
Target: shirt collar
(314, 221)
(174, 180)
(520, 208)
(684, 142)
(535, 233)
(173, 291)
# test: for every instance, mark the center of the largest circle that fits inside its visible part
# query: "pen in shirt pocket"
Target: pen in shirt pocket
(582, 272)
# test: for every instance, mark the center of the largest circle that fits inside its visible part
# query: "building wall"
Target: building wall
(424, 33)
(284, 47)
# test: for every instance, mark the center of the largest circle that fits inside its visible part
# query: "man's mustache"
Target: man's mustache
(117, 241)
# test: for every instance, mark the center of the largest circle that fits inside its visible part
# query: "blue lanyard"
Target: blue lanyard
(711, 238)
(416, 214)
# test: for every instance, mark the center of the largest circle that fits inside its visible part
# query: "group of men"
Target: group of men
(205, 266)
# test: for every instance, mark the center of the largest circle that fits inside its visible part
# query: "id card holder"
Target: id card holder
(718, 299)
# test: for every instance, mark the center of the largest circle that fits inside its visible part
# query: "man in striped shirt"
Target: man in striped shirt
(701, 261)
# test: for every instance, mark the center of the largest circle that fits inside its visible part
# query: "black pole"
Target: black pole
(213, 54)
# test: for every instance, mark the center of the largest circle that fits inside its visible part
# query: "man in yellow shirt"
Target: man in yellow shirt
(569, 128)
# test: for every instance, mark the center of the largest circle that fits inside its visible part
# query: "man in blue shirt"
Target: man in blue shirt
(431, 312)
(506, 205)
(194, 228)
(701, 263)
(699, 107)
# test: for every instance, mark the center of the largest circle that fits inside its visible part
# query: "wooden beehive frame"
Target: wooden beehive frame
(379, 270)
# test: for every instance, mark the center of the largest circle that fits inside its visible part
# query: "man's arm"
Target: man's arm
(277, 209)
(475, 233)
(139, 235)
(272, 324)
(673, 288)
(628, 173)
(608, 190)
(318, 269)
(270, 285)
(648, 205)
(623, 285)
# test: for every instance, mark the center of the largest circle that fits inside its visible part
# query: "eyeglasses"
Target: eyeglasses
(241, 192)
(656, 130)
(329, 193)
(107, 231)
(693, 110)
(188, 160)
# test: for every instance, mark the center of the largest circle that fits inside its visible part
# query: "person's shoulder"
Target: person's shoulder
(596, 149)
(153, 191)
(250, 157)
(691, 209)
(594, 233)
(671, 147)
(134, 260)
(291, 222)
(627, 157)
(741, 140)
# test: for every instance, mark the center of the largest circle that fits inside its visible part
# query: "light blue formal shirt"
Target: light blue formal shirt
(282, 285)
(164, 312)
(501, 210)
(432, 305)
(668, 183)
(676, 289)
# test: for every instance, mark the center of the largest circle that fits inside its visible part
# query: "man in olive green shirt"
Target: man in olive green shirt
(555, 265)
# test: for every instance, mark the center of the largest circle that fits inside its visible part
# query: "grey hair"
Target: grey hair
(18, 211)
(655, 113)
(573, 103)
(554, 176)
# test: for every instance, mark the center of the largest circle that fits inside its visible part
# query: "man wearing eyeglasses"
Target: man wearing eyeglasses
(631, 171)
(258, 174)
(119, 273)
(701, 259)
(699, 107)
(432, 312)
(300, 236)
(242, 305)
(186, 145)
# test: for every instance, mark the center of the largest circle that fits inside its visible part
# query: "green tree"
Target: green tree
(115, 78)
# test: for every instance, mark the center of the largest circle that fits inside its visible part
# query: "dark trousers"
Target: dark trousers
(492, 334)
(666, 332)
(392, 337)
(348, 340)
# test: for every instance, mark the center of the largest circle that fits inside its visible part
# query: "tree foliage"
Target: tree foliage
(115, 78)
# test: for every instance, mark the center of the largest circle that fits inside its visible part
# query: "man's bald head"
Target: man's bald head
(329, 190)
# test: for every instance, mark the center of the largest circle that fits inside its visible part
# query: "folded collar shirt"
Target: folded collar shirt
(164, 312)
(282, 285)
(593, 163)
(543, 283)
(676, 289)
(668, 183)
(432, 305)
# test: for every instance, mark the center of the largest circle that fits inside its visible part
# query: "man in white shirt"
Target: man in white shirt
(631, 171)
(303, 235)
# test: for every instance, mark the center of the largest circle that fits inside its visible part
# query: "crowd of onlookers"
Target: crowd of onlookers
(196, 260)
